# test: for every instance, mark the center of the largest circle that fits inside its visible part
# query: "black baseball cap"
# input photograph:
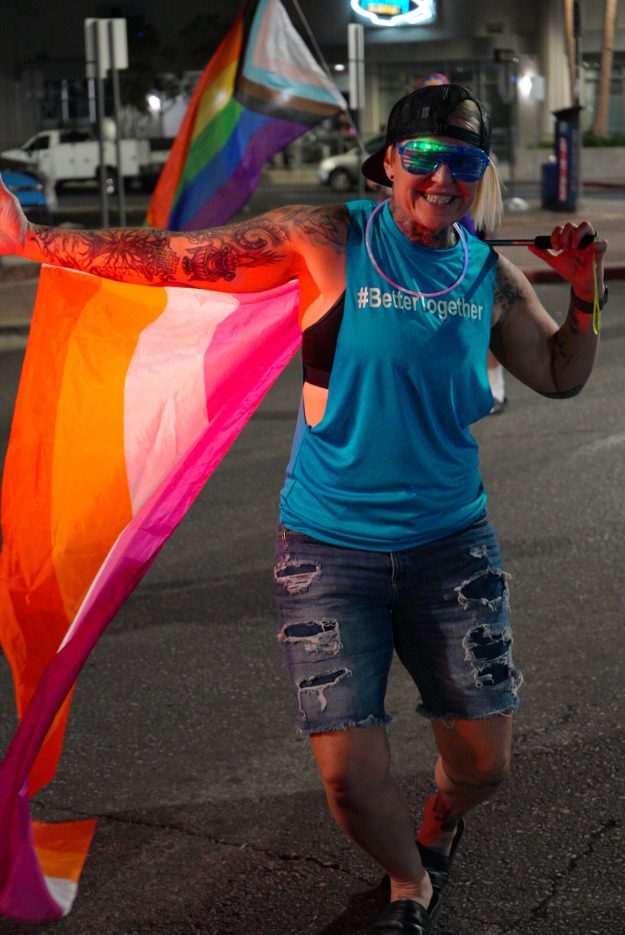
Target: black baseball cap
(427, 111)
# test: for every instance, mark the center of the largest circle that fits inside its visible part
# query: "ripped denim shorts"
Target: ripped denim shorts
(443, 606)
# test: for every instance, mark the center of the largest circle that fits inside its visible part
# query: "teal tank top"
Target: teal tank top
(393, 464)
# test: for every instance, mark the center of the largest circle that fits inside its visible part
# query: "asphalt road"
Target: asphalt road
(211, 819)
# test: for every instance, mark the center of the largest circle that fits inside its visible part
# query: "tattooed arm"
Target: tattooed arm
(553, 361)
(253, 255)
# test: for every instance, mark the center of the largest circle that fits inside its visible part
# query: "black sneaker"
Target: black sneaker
(406, 915)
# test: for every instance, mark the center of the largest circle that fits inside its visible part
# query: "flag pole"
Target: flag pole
(326, 67)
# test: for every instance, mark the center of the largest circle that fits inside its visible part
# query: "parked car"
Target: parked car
(31, 188)
(341, 172)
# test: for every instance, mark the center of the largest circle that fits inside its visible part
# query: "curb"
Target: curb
(13, 337)
(596, 183)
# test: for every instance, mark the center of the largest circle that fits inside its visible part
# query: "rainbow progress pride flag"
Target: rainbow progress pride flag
(261, 89)
(129, 397)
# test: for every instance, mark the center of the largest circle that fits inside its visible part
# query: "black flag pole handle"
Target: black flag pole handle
(542, 242)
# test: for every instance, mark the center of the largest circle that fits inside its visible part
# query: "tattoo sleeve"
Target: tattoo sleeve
(555, 362)
(267, 246)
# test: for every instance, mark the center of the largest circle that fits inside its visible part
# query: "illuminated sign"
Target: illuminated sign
(396, 12)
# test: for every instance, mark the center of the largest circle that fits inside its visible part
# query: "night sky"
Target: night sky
(53, 29)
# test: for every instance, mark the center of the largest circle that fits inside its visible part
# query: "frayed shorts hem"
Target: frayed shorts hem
(506, 711)
(371, 721)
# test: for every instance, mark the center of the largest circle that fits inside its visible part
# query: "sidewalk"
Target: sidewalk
(18, 278)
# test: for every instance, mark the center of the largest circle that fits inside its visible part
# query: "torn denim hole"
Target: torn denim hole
(296, 576)
(480, 551)
(489, 654)
(488, 587)
(316, 637)
(319, 684)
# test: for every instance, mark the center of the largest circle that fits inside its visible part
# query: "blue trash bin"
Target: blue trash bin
(567, 143)
(549, 185)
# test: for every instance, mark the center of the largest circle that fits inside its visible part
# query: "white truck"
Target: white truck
(73, 155)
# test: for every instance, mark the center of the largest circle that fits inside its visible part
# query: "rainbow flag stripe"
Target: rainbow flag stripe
(261, 89)
(129, 397)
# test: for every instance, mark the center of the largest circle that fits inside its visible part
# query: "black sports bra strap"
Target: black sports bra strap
(319, 345)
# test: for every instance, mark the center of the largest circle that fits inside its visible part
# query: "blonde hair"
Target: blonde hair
(487, 207)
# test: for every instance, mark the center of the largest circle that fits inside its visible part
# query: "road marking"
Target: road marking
(602, 444)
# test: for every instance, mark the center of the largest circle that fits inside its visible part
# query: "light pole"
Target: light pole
(106, 49)
(356, 52)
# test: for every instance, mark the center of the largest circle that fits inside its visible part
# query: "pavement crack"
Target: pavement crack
(540, 910)
(219, 842)
(290, 857)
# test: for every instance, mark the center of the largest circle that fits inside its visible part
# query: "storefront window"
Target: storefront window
(478, 76)
(616, 106)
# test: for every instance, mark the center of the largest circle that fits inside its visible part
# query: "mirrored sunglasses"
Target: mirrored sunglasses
(422, 157)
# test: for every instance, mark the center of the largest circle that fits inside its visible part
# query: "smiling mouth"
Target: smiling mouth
(439, 200)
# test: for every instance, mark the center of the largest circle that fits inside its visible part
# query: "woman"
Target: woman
(384, 537)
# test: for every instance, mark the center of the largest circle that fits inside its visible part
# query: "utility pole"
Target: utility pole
(106, 49)
(96, 72)
(113, 27)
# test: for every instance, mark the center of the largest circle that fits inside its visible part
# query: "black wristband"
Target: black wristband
(588, 307)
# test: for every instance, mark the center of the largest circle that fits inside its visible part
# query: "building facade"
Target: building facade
(512, 55)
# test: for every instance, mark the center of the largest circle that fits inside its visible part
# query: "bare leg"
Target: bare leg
(496, 380)
(474, 760)
(367, 803)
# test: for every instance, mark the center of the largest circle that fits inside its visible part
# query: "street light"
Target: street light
(154, 103)
(155, 106)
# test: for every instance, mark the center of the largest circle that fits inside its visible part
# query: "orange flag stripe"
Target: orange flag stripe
(33, 588)
(85, 523)
(62, 848)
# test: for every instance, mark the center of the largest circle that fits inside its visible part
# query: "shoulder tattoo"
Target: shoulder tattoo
(326, 226)
(507, 290)
(217, 254)
(262, 241)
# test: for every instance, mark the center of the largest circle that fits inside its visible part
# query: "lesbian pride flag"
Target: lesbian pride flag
(261, 89)
(129, 397)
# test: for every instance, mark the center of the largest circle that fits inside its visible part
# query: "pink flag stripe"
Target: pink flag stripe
(164, 394)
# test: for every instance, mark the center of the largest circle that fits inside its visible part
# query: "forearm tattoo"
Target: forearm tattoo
(111, 253)
(564, 355)
(159, 256)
